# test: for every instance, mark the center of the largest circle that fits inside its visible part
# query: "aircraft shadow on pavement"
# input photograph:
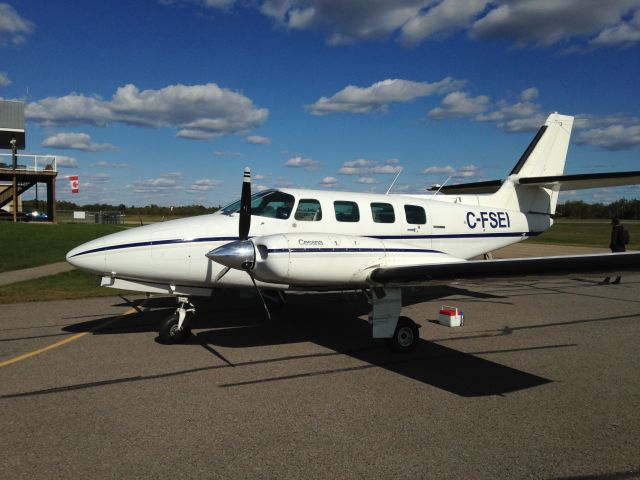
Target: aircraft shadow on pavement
(332, 321)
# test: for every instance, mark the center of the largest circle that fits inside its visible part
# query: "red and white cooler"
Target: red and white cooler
(451, 316)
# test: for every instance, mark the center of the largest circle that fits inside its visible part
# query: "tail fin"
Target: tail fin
(545, 156)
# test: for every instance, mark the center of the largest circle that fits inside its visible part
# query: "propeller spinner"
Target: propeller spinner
(240, 254)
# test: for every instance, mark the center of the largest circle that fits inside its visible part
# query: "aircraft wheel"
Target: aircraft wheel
(169, 332)
(406, 336)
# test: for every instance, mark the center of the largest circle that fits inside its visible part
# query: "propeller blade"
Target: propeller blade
(222, 273)
(244, 224)
(264, 304)
(240, 254)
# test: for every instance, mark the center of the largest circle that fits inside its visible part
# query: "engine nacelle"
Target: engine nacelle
(320, 259)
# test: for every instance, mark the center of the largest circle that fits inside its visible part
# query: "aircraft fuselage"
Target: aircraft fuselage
(324, 230)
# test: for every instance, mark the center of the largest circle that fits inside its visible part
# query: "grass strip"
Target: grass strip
(63, 286)
(589, 233)
(24, 245)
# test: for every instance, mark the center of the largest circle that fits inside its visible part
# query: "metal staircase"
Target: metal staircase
(7, 195)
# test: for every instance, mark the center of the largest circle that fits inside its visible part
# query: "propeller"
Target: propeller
(240, 254)
(245, 206)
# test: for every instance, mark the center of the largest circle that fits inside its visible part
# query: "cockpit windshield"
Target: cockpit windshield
(268, 203)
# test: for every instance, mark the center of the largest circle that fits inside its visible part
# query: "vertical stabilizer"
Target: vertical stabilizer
(545, 156)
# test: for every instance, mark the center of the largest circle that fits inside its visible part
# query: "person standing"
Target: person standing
(617, 244)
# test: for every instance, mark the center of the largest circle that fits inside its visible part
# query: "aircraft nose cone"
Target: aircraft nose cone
(239, 255)
(88, 256)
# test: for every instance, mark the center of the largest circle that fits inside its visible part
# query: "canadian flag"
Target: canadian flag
(75, 185)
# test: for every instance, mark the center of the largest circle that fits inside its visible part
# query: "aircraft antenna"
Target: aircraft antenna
(440, 187)
(394, 181)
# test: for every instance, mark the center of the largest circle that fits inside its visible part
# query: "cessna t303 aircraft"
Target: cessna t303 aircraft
(295, 239)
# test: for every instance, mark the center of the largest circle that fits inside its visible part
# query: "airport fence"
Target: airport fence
(102, 217)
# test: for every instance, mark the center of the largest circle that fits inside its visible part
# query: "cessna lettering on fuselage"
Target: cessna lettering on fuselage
(319, 240)
(310, 242)
(488, 219)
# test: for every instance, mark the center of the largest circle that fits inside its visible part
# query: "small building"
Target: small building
(19, 173)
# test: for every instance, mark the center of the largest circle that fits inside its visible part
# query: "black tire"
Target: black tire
(169, 332)
(405, 338)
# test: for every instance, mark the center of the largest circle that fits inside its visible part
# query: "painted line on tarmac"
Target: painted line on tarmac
(70, 339)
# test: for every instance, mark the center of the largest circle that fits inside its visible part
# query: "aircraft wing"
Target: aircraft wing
(556, 182)
(510, 268)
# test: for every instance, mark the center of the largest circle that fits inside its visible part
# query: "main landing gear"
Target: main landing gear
(174, 328)
(401, 333)
(405, 337)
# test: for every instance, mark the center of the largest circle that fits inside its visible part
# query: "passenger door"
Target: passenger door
(417, 223)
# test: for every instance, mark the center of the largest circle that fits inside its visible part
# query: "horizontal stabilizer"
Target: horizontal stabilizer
(490, 186)
(510, 268)
(579, 182)
(555, 182)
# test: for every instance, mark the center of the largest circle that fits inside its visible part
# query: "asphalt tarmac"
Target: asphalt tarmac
(542, 381)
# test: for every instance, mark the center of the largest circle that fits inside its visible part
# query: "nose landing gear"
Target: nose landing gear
(174, 328)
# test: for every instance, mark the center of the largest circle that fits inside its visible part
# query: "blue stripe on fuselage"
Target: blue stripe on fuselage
(151, 243)
(351, 250)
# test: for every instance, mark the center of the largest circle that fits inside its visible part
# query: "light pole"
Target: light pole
(14, 162)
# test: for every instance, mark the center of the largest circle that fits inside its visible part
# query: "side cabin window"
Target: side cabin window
(269, 203)
(415, 215)
(346, 211)
(274, 205)
(383, 213)
(308, 210)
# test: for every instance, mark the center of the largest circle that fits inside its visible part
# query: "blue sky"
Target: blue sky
(167, 101)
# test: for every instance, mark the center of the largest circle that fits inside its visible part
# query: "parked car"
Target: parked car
(21, 216)
(39, 216)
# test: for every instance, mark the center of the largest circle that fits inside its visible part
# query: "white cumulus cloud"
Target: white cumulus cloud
(366, 180)
(301, 162)
(529, 94)
(546, 23)
(197, 111)
(366, 168)
(103, 164)
(344, 21)
(328, 182)
(467, 171)
(379, 95)
(521, 116)
(460, 104)
(258, 140)
(203, 185)
(613, 137)
(99, 178)
(226, 153)
(165, 184)
(599, 23)
(4, 79)
(76, 141)
(66, 162)
(13, 27)
(443, 17)
(609, 132)
(623, 34)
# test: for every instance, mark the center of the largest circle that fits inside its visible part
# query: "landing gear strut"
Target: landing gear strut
(174, 328)
(274, 299)
(401, 333)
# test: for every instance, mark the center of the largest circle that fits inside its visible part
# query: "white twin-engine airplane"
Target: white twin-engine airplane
(297, 239)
